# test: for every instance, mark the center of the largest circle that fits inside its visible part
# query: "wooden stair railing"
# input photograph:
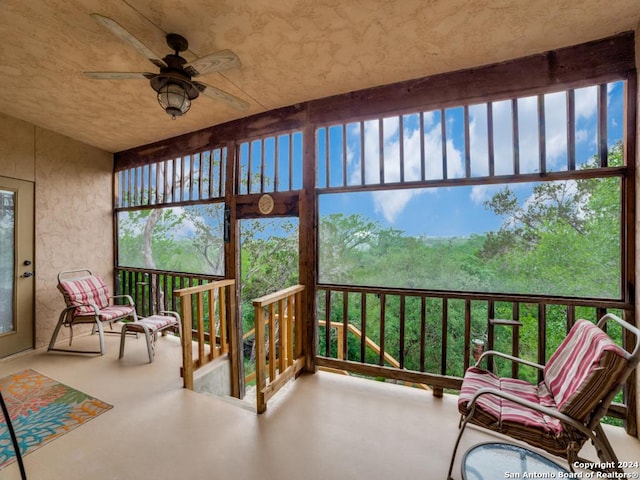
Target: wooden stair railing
(370, 343)
(278, 319)
(219, 297)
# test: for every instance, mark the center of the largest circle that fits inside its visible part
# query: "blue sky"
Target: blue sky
(451, 211)
(457, 211)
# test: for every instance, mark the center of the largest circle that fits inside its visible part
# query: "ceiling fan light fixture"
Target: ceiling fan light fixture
(174, 99)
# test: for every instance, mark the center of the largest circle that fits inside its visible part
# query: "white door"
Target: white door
(16, 266)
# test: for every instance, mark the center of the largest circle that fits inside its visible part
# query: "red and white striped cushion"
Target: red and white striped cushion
(107, 314)
(496, 411)
(89, 290)
(153, 323)
(586, 364)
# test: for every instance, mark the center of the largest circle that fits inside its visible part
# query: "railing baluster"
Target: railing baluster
(422, 155)
(402, 330)
(345, 324)
(383, 308)
(262, 165)
(282, 337)
(327, 328)
(571, 129)
(542, 337)
(213, 347)
(542, 142)
(445, 321)
(515, 340)
(401, 145)
(515, 136)
(363, 326)
(362, 159)
(272, 343)
(490, 139)
(467, 143)
(381, 149)
(276, 164)
(467, 332)
(443, 135)
(222, 316)
(290, 338)
(344, 155)
(423, 332)
(200, 323)
(603, 159)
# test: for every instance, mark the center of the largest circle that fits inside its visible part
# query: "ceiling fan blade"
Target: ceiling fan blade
(218, 94)
(119, 75)
(120, 31)
(215, 62)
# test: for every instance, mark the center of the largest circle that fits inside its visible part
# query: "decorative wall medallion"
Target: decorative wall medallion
(265, 204)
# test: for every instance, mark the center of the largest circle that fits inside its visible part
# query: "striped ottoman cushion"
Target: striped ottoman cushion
(153, 323)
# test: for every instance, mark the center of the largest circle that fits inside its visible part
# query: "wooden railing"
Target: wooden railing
(204, 307)
(278, 319)
(153, 290)
(340, 337)
(432, 335)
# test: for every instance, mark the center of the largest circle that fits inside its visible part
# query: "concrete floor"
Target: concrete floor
(325, 426)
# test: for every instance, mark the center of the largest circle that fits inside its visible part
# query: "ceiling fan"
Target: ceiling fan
(174, 84)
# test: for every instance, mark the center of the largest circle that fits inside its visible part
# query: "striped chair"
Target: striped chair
(563, 411)
(88, 301)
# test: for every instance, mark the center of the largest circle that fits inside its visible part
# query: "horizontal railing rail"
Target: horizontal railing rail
(278, 336)
(435, 336)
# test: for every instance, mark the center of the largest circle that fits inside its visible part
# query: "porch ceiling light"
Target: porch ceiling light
(174, 99)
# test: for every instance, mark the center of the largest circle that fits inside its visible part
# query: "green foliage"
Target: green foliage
(562, 240)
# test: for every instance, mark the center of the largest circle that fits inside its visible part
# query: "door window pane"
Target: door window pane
(7, 236)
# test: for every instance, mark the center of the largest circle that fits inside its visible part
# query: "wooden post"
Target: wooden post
(261, 404)
(232, 270)
(306, 321)
(187, 343)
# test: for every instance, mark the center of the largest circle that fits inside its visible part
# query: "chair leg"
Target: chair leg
(605, 450)
(61, 320)
(101, 335)
(461, 427)
(123, 335)
(150, 338)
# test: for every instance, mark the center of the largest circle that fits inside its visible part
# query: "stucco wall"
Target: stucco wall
(73, 220)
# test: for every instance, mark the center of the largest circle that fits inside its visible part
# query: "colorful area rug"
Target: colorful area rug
(41, 410)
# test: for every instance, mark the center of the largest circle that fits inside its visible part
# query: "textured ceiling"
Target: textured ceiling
(291, 51)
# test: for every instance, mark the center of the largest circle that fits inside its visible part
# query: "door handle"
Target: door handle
(27, 274)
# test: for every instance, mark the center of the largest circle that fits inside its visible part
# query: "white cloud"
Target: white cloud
(392, 203)
(481, 193)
